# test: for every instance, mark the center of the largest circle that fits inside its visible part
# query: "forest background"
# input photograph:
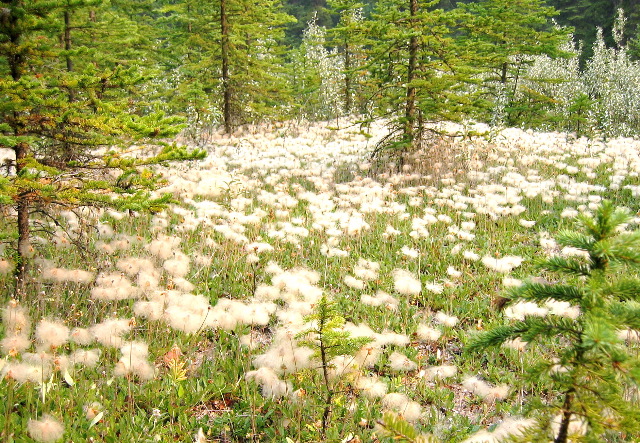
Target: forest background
(522, 63)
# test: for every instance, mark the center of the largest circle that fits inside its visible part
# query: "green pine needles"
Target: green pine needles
(592, 367)
(329, 340)
(394, 428)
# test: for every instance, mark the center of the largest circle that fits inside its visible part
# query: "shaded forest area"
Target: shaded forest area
(584, 16)
(233, 62)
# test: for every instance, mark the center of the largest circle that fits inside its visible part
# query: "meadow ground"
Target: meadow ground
(190, 324)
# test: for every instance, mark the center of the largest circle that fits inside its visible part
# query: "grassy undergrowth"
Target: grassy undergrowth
(185, 325)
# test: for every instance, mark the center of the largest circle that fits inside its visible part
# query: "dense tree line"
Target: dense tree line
(231, 62)
(582, 15)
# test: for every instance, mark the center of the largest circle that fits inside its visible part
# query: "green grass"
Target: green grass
(214, 394)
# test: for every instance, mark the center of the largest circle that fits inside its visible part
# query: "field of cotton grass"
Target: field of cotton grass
(186, 325)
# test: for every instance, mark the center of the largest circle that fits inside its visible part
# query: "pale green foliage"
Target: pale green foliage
(604, 95)
(317, 75)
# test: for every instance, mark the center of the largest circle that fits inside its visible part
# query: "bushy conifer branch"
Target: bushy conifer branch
(393, 427)
(594, 369)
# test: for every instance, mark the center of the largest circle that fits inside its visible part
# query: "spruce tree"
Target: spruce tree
(327, 337)
(228, 53)
(585, 360)
(349, 36)
(254, 84)
(507, 34)
(71, 125)
(418, 69)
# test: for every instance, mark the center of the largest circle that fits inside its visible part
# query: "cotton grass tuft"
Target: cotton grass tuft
(372, 386)
(133, 361)
(405, 283)
(353, 282)
(13, 345)
(426, 333)
(504, 264)
(401, 363)
(484, 390)
(509, 428)
(381, 298)
(445, 319)
(439, 372)
(270, 384)
(22, 372)
(46, 430)
(400, 403)
(109, 332)
(52, 333)
(16, 319)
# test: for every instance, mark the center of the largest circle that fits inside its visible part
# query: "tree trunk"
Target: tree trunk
(16, 63)
(503, 73)
(67, 40)
(24, 245)
(410, 105)
(67, 47)
(563, 432)
(15, 59)
(226, 87)
(347, 78)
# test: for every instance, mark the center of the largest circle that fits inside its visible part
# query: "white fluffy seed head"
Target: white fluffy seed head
(400, 403)
(271, 385)
(13, 345)
(353, 282)
(445, 319)
(81, 336)
(136, 367)
(46, 430)
(484, 390)
(371, 386)
(109, 332)
(439, 372)
(52, 333)
(380, 299)
(85, 357)
(178, 266)
(426, 333)
(405, 283)
(504, 264)
(151, 310)
(16, 319)
(401, 363)
(23, 372)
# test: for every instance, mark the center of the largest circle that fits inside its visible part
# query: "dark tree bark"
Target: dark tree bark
(67, 40)
(410, 107)
(226, 87)
(563, 432)
(16, 61)
(347, 78)
(24, 233)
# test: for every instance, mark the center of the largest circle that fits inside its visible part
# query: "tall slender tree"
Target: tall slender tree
(231, 50)
(349, 36)
(508, 33)
(418, 68)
